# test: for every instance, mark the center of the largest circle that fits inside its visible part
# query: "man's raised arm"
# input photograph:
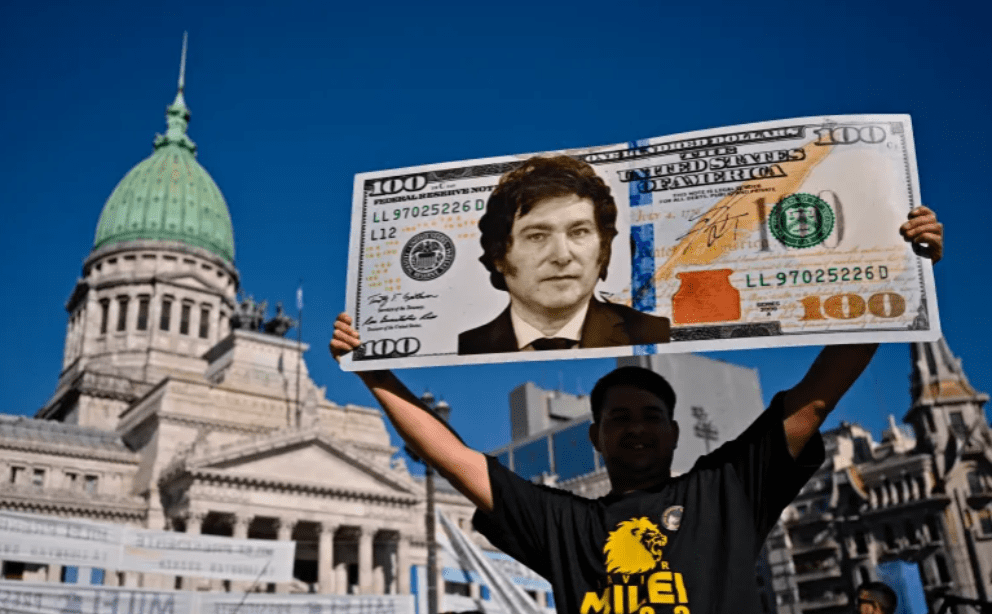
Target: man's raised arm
(427, 436)
(838, 366)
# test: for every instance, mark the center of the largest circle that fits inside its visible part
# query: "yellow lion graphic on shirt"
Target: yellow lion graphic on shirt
(634, 547)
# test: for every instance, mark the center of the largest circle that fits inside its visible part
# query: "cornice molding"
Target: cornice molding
(68, 450)
(74, 507)
(208, 477)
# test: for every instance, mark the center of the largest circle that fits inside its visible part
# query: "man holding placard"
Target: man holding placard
(656, 544)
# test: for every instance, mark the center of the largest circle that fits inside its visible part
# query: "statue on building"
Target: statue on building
(248, 315)
(279, 324)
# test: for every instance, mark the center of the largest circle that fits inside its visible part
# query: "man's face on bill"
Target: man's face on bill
(553, 260)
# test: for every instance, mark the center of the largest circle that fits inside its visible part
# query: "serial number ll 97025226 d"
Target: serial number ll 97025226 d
(797, 277)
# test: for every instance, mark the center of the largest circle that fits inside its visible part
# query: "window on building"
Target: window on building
(974, 482)
(890, 536)
(184, 318)
(165, 320)
(861, 543)
(122, 313)
(862, 451)
(16, 474)
(38, 478)
(90, 484)
(910, 530)
(461, 588)
(986, 522)
(104, 315)
(71, 480)
(957, 423)
(204, 322)
(143, 302)
(943, 574)
(933, 527)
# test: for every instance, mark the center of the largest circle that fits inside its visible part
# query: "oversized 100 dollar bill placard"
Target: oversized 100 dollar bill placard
(773, 234)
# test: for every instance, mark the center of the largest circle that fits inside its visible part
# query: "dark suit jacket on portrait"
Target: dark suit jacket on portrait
(606, 325)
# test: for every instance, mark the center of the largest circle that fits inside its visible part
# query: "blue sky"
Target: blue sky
(289, 100)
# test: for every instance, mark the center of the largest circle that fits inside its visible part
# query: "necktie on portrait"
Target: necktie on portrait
(552, 343)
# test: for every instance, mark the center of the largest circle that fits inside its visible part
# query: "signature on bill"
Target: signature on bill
(713, 224)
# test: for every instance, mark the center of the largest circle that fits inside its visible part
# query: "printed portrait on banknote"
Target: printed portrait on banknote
(774, 234)
(547, 237)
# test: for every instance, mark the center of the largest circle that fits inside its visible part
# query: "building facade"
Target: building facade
(921, 496)
(181, 406)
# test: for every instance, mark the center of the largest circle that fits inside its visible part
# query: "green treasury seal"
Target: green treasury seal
(801, 220)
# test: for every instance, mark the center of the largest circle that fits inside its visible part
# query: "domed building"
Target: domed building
(180, 407)
(158, 289)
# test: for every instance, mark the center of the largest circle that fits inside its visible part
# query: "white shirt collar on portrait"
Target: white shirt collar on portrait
(526, 333)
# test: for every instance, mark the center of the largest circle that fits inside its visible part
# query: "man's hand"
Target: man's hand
(345, 337)
(839, 366)
(429, 437)
(925, 233)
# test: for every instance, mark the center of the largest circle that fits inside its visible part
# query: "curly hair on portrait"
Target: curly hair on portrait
(536, 179)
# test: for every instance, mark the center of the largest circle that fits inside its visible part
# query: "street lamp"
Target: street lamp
(442, 410)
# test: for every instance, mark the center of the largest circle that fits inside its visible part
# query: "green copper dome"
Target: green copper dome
(168, 195)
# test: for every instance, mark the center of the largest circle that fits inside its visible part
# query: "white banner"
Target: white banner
(208, 556)
(34, 538)
(260, 603)
(32, 598)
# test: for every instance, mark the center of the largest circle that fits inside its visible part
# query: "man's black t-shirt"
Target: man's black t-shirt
(686, 547)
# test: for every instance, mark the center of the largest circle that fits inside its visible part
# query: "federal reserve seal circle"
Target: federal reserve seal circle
(427, 255)
(801, 220)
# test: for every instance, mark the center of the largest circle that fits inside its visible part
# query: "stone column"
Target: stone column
(325, 558)
(403, 564)
(365, 585)
(54, 573)
(240, 531)
(285, 534)
(194, 524)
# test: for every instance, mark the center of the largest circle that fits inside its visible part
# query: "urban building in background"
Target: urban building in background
(920, 497)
